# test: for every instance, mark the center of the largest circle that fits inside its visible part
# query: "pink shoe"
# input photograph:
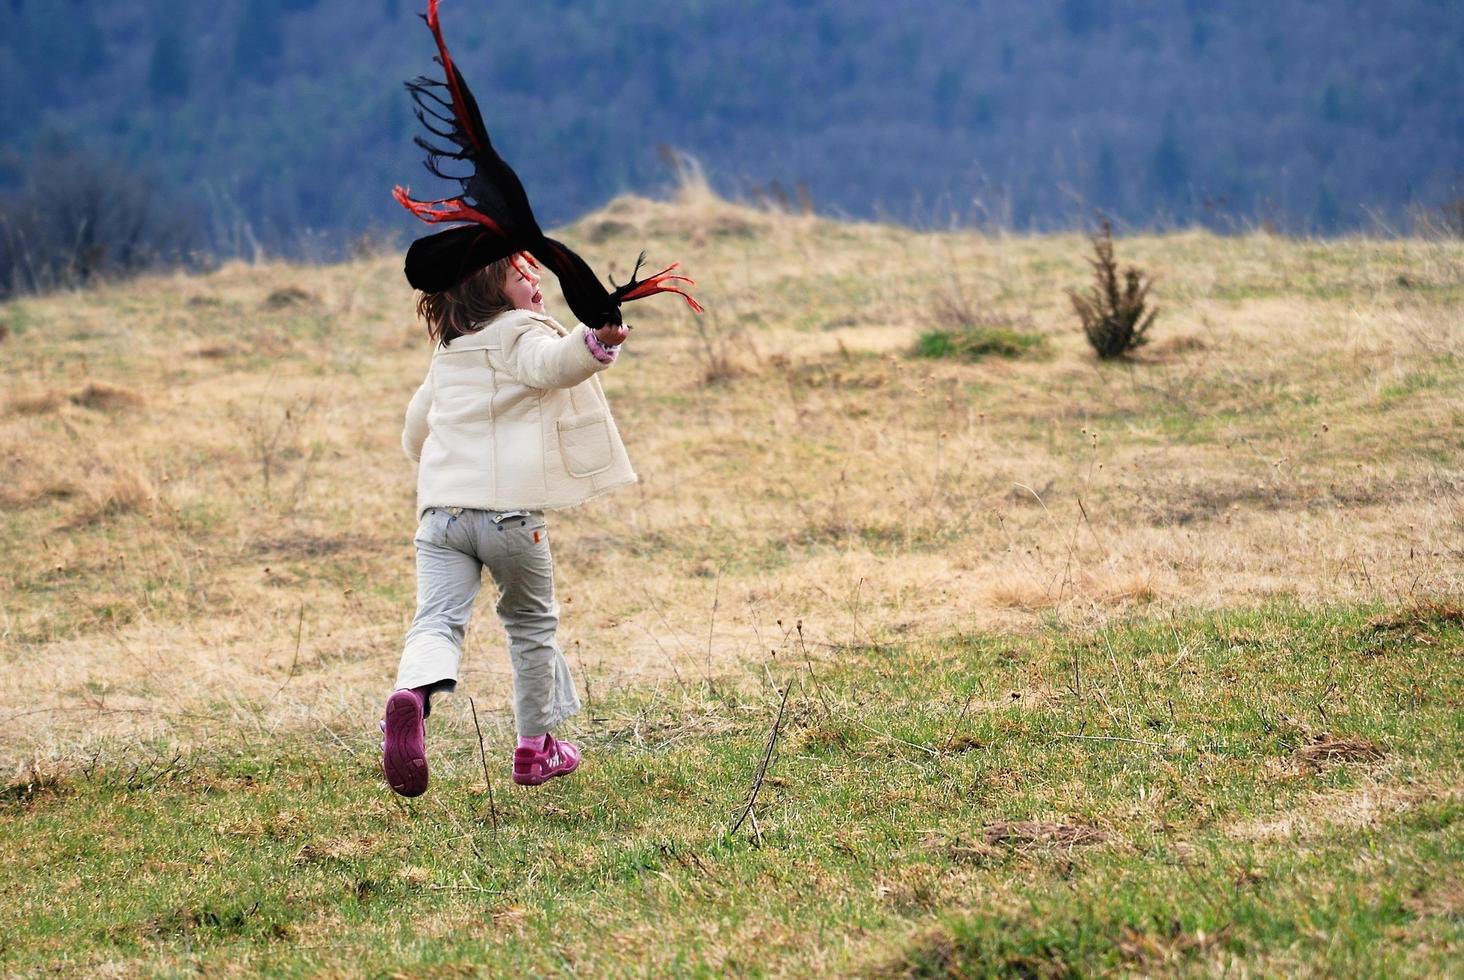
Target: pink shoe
(404, 752)
(534, 766)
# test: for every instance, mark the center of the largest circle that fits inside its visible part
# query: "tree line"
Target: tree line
(282, 124)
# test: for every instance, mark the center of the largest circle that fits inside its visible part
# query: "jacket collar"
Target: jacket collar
(491, 336)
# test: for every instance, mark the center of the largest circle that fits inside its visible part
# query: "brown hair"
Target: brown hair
(461, 309)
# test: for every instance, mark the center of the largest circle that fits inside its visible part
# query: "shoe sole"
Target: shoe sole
(526, 779)
(404, 753)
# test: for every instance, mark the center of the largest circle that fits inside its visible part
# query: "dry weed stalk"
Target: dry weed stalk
(715, 346)
(270, 446)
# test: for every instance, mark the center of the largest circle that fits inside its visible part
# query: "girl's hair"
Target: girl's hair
(459, 310)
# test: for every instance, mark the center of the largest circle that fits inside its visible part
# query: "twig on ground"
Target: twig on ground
(762, 769)
(483, 755)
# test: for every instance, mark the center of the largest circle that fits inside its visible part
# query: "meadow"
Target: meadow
(1039, 665)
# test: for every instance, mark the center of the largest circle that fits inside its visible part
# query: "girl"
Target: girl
(510, 422)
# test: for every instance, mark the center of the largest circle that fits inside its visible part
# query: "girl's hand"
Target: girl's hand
(611, 334)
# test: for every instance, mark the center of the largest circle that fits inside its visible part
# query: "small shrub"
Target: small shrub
(718, 343)
(976, 342)
(1115, 316)
(69, 217)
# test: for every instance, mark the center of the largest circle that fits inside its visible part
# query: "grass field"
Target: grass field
(1149, 667)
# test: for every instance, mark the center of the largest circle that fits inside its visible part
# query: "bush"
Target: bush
(73, 218)
(1115, 316)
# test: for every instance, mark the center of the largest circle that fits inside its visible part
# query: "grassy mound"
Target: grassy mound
(977, 342)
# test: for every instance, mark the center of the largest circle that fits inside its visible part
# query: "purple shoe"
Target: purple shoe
(404, 753)
(534, 766)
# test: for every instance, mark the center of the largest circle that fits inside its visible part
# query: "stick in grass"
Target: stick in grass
(762, 769)
(483, 755)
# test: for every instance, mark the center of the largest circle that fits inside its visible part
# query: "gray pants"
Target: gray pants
(454, 544)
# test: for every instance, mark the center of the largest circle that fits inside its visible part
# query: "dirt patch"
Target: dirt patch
(102, 397)
(336, 849)
(1028, 833)
(300, 546)
(1325, 749)
(31, 786)
(1188, 505)
(838, 373)
(288, 296)
(599, 232)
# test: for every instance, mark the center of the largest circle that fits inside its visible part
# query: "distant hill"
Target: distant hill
(284, 121)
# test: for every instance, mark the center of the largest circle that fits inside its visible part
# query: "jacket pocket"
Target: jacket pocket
(584, 443)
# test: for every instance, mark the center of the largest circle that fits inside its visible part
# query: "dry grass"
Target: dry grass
(205, 505)
(1335, 812)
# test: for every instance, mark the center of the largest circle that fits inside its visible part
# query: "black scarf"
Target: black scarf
(492, 199)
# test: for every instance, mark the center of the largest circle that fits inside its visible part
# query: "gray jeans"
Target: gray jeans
(454, 545)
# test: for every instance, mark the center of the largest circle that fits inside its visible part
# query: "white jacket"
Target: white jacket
(513, 418)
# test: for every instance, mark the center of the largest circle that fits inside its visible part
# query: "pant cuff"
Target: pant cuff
(429, 659)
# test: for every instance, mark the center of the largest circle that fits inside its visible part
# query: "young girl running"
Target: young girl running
(510, 422)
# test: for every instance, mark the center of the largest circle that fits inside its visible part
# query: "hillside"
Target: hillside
(1243, 543)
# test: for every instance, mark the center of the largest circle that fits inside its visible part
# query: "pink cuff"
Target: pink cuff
(604, 353)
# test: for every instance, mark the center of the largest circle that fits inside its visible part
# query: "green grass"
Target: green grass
(878, 846)
(974, 343)
(1442, 372)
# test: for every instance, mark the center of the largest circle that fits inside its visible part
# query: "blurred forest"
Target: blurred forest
(281, 125)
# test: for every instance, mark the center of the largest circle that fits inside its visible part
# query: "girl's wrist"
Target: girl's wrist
(599, 350)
